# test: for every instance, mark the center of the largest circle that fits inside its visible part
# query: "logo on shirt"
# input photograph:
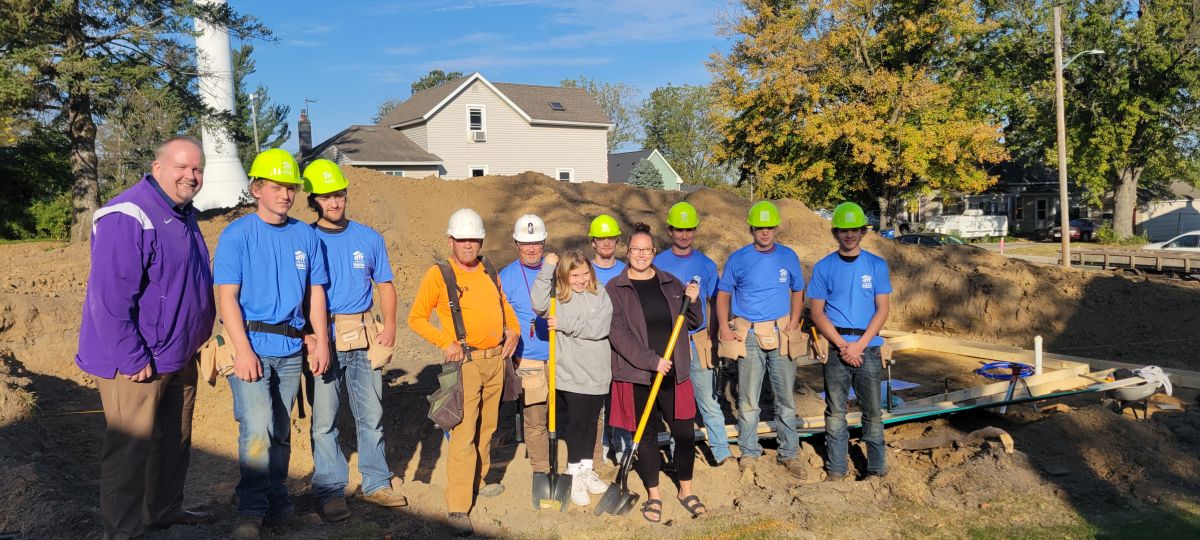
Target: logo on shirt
(696, 279)
(866, 282)
(301, 261)
(360, 261)
(783, 275)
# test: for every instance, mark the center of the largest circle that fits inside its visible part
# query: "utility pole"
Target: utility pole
(254, 120)
(1063, 210)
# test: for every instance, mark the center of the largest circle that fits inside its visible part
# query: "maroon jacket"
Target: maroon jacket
(633, 360)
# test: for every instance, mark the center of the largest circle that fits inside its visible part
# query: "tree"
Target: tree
(433, 79)
(74, 58)
(385, 107)
(678, 122)
(1133, 113)
(617, 100)
(138, 120)
(273, 129)
(645, 175)
(854, 100)
(36, 201)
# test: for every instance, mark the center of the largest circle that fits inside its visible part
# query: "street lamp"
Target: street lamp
(1063, 205)
(254, 120)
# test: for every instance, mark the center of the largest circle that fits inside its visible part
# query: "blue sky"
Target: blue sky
(351, 55)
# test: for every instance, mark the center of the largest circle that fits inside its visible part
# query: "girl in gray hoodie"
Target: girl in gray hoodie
(582, 359)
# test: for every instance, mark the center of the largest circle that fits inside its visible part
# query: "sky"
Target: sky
(351, 55)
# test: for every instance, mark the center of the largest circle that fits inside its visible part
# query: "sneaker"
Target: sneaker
(335, 509)
(387, 498)
(796, 468)
(592, 481)
(460, 523)
(491, 490)
(246, 528)
(579, 491)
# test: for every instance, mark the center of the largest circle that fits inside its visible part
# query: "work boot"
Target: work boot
(591, 480)
(460, 524)
(335, 509)
(387, 498)
(747, 463)
(579, 491)
(246, 528)
(834, 477)
(797, 468)
(491, 490)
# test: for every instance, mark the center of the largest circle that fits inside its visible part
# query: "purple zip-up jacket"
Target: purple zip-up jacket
(149, 292)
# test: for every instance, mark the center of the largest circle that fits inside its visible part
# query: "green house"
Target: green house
(621, 164)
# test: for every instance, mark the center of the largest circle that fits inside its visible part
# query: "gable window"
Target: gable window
(565, 175)
(479, 170)
(476, 118)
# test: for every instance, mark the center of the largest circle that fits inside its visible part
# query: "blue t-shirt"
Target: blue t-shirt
(517, 280)
(355, 256)
(849, 290)
(762, 283)
(275, 266)
(605, 274)
(695, 266)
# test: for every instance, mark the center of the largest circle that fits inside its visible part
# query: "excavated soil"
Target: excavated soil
(1069, 468)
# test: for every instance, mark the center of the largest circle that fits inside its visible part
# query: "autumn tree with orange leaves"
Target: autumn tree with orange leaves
(867, 100)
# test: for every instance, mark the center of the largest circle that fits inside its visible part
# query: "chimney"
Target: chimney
(305, 132)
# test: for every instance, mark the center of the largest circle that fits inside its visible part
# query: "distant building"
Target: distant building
(622, 163)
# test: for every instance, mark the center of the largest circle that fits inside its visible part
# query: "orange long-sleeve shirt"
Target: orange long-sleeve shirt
(481, 304)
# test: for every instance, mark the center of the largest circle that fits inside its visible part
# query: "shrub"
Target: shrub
(1106, 235)
(645, 175)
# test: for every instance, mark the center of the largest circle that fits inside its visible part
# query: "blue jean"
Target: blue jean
(710, 408)
(365, 394)
(263, 410)
(782, 373)
(839, 376)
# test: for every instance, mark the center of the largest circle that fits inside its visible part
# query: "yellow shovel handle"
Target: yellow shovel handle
(550, 365)
(637, 437)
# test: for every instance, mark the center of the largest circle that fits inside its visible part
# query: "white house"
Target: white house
(473, 127)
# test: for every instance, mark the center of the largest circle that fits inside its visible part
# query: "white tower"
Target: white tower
(224, 177)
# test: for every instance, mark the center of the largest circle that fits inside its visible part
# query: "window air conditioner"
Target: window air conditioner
(479, 136)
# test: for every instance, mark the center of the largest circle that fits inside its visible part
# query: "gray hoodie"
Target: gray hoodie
(583, 361)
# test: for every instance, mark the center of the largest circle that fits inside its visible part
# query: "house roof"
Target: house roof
(530, 101)
(621, 164)
(379, 145)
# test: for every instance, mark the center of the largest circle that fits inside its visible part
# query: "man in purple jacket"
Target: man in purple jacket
(148, 309)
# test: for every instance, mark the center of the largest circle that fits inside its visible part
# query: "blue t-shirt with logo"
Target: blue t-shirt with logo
(761, 283)
(517, 280)
(849, 290)
(693, 266)
(605, 274)
(274, 266)
(355, 257)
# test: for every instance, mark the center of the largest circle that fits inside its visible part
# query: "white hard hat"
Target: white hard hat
(529, 228)
(465, 224)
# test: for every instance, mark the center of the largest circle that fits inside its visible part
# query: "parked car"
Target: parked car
(1081, 229)
(933, 240)
(1188, 241)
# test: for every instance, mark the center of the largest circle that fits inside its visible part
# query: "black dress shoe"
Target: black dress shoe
(187, 517)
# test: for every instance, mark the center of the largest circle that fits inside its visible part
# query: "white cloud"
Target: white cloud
(303, 43)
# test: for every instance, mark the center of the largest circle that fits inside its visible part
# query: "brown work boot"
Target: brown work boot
(386, 497)
(246, 528)
(460, 523)
(797, 468)
(335, 509)
(747, 463)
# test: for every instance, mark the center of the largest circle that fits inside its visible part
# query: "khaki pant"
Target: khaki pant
(536, 413)
(469, 456)
(147, 446)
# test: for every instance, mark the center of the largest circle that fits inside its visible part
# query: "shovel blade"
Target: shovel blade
(616, 501)
(542, 490)
(561, 492)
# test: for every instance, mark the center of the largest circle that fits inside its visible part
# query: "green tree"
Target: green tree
(36, 201)
(618, 101)
(645, 175)
(137, 121)
(678, 121)
(435, 78)
(273, 129)
(1132, 114)
(829, 100)
(385, 107)
(73, 58)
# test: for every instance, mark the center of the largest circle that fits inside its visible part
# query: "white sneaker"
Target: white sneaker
(579, 492)
(591, 481)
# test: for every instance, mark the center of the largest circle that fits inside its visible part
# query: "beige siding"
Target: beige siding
(417, 134)
(410, 171)
(513, 146)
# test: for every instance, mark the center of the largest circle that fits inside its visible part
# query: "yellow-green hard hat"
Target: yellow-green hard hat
(683, 216)
(604, 226)
(276, 165)
(323, 176)
(849, 216)
(763, 214)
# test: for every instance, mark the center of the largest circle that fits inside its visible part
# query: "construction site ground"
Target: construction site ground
(1079, 471)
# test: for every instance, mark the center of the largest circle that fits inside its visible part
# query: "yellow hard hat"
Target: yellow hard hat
(323, 176)
(276, 165)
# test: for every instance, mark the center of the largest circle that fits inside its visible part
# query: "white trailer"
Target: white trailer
(971, 224)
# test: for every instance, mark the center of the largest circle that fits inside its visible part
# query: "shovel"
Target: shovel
(618, 500)
(551, 491)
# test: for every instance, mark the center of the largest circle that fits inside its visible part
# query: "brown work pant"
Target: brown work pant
(536, 413)
(147, 446)
(469, 456)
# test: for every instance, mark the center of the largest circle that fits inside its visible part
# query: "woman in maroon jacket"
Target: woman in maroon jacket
(645, 303)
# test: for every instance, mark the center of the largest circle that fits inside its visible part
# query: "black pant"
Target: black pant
(583, 411)
(648, 461)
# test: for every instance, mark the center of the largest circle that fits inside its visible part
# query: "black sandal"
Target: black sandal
(648, 508)
(693, 505)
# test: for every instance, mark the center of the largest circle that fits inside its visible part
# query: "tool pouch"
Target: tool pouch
(795, 343)
(446, 404)
(767, 335)
(704, 348)
(216, 358)
(377, 354)
(350, 331)
(533, 381)
(735, 349)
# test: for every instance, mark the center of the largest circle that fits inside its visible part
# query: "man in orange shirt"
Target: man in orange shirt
(491, 337)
